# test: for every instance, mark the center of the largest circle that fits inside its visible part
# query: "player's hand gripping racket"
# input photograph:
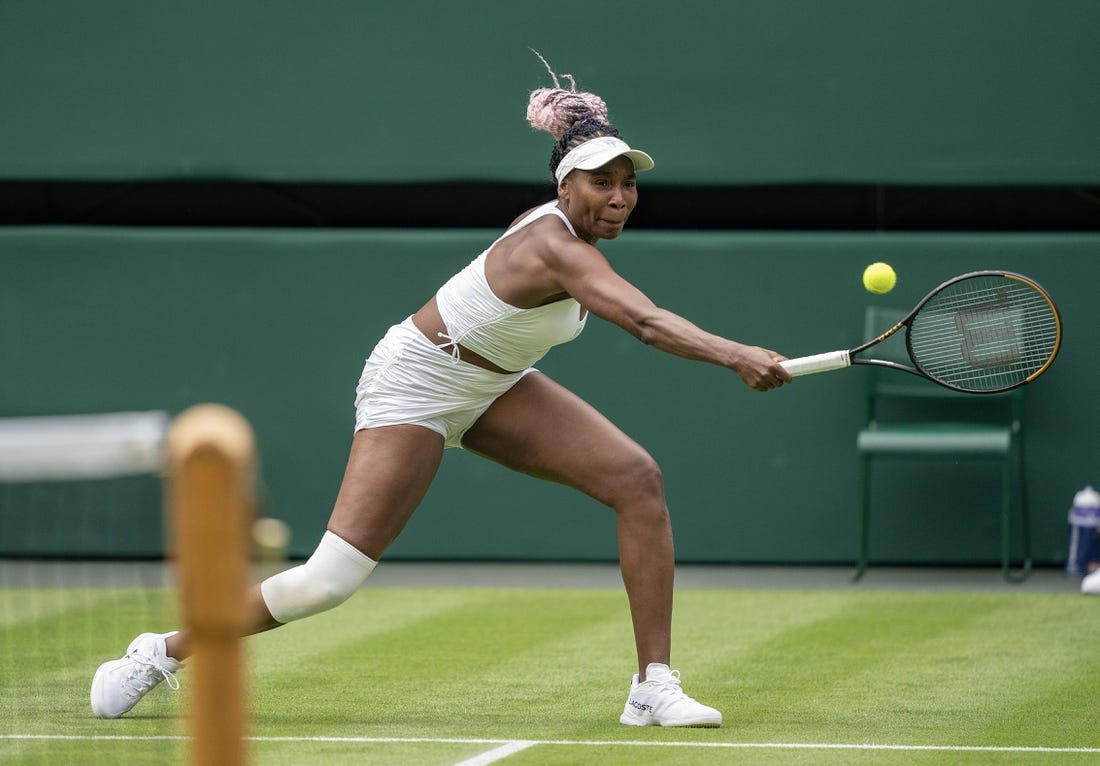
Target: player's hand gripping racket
(982, 333)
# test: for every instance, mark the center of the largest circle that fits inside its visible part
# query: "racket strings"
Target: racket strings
(985, 333)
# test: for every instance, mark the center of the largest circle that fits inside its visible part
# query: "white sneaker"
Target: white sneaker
(659, 701)
(1091, 584)
(120, 684)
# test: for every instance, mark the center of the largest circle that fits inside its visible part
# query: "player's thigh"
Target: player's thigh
(541, 428)
(388, 473)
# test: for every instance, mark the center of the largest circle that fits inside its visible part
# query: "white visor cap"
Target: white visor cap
(597, 152)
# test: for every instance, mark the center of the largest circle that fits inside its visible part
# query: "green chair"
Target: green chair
(996, 436)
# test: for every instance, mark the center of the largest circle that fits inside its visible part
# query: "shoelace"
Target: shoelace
(672, 685)
(145, 676)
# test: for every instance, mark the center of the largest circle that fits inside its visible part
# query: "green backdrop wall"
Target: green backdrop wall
(720, 92)
(277, 324)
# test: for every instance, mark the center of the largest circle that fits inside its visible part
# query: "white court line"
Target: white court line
(589, 743)
(497, 753)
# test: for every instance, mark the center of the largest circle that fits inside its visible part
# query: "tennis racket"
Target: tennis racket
(981, 333)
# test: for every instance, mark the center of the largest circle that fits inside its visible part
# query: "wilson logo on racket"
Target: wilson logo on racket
(983, 332)
(988, 332)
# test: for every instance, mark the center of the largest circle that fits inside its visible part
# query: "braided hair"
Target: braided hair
(570, 116)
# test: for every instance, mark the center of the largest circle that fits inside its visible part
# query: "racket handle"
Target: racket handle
(831, 360)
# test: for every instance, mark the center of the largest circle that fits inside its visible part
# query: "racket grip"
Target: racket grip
(831, 360)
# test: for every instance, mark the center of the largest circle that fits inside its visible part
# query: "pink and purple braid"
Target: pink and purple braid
(571, 117)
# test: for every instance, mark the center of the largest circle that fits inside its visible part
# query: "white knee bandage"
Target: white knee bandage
(334, 571)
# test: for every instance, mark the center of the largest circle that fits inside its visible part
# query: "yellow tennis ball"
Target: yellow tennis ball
(879, 278)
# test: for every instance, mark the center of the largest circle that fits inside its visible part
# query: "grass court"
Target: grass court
(519, 675)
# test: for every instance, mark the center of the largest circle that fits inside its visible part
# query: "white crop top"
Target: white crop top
(511, 338)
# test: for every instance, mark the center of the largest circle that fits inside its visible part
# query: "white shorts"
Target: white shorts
(408, 380)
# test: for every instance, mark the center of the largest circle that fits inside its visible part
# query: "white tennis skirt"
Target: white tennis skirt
(408, 380)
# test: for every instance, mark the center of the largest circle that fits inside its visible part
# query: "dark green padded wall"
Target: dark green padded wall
(886, 91)
(276, 324)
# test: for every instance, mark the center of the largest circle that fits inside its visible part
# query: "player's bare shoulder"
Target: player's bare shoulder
(544, 240)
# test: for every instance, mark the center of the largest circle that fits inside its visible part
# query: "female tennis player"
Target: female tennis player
(458, 373)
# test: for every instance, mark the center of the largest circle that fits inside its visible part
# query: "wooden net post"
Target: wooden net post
(211, 480)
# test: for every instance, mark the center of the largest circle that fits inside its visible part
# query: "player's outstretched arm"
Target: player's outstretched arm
(589, 278)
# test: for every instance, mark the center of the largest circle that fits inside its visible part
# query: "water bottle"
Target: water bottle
(1084, 521)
